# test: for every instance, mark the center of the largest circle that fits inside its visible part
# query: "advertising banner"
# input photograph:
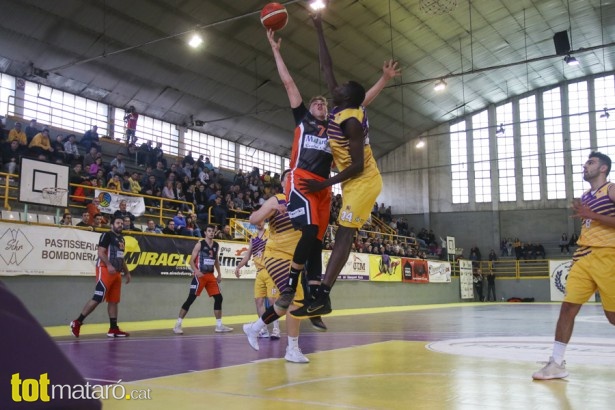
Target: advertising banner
(356, 267)
(415, 270)
(465, 279)
(110, 202)
(439, 272)
(36, 250)
(384, 268)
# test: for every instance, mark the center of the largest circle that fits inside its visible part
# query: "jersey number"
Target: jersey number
(346, 216)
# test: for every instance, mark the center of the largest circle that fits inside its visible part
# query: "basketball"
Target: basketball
(274, 16)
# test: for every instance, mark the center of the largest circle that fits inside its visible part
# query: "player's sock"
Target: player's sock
(81, 318)
(218, 322)
(293, 342)
(559, 350)
(113, 322)
(313, 290)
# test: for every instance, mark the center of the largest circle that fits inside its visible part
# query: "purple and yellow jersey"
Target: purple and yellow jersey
(258, 249)
(340, 144)
(283, 237)
(595, 233)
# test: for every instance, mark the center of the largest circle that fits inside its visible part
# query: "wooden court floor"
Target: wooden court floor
(460, 356)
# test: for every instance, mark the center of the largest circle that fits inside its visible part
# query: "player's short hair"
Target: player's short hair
(286, 171)
(115, 218)
(355, 93)
(603, 159)
(210, 226)
(318, 98)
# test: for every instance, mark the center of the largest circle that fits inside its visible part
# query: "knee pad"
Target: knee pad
(189, 302)
(217, 302)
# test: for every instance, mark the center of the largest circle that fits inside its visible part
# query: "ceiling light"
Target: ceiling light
(605, 114)
(570, 60)
(195, 41)
(318, 5)
(501, 130)
(440, 85)
(420, 144)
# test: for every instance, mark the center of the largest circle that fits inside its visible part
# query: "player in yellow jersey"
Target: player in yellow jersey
(348, 132)
(593, 261)
(283, 239)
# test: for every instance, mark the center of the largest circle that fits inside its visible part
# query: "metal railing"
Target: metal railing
(7, 190)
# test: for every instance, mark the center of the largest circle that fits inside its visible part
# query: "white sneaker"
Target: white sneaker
(295, 355)
(223, 329)
(264, 333)
(178, 329)
(275, 333)
(252, 336)
(551, 371)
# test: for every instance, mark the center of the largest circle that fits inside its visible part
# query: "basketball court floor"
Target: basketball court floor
(457, 356)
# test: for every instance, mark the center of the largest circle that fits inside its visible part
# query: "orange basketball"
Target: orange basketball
(274, 16)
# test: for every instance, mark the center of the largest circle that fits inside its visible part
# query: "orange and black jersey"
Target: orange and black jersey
(311, 150)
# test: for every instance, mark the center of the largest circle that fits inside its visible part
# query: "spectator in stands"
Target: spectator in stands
(99, 221)
(170, 228)
(540, 251)
(160, 174)
(129, 226)
(490, 286)
(388, 215)
(151, 188)
(93, 209)
(58, 156)
(191, 223)
(168, 192)
(151, 227)
(112, 173)
(16, 134)
(135, 186)
(67, 220)
(126, 182)
(91, 140)
(208, 165)
(41, 145)
(31, 130)
(90, 157)
(123, 212)
(201, 200)
(115, 183)
(118, 161)
(225, 234)
(143, 155)
(130, 118)
(71, 150)
(478, 284)
(159, 156)
(188, 160)
(11, 157)
(180, 224)
(492, 258)
(564, 244)
(96, 166)
(85, 220)
(573, 240)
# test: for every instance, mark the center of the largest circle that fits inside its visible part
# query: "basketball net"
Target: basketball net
(54, 195)
(437, 7)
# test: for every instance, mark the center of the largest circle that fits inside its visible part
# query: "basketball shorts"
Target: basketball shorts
(308, 208)
(593, 271)
(264, 286)
(358, 197)
(278, 270)
(108, 286)
(208, 282)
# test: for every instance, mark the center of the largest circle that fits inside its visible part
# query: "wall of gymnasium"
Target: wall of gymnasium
(417, 185)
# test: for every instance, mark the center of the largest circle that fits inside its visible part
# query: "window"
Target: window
(529, 148)
(482, 157)
(554, 144)
(580, 144)
(221, 152)
(459, 163)
(63, 110)
(506, 152)
(7, 93)
(149, 129)
(605, 126)
(265, 161)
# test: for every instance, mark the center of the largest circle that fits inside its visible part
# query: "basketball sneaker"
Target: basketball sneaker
(318, 307)
(264, 333)
(75, 327)
(178, 329)
(551, 371)
(116, 332)
(275, 333)
(223, 329)
(252, 336)
(295, 355)
(318, 324)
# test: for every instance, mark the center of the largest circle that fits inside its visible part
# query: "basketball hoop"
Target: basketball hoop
(54, 195)
(437, 7)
